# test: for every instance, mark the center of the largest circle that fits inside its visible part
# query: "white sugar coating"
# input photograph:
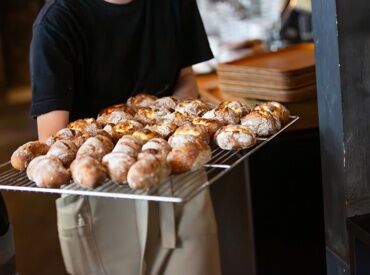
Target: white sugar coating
(181, 140)
(234, 140)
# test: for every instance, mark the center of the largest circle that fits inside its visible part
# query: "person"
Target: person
(89, 54)
(7, 251)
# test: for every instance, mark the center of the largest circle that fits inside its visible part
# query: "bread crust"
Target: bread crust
(223, 114)
(235, 137)
(65, 150)
(189, 133)
(26, 153)
(275, 108)
(95, 147)
(118, 165)
(88, 172)
(144, 135)
(163, 128)
(193, 107)
(114, 117)
(212, 125)
(262, 123)
(239, 108)
(142, 100)
(85, 125)
(168, 102)
(145, 173)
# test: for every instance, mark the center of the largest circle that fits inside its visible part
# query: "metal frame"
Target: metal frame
(176, 189)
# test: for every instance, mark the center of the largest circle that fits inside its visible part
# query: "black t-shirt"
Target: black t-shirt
(4, 223)
(88, 54)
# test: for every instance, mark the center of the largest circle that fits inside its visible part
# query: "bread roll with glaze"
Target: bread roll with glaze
(193, 107)
(145, 173)
(95, 147)
(88, 172)
(223, 114)
(189, 157)
(27, 152)
(261, 123)
(142, 100)
(235, 137)
(65, 150)
(118, 165)
(275, 108)
(163, 128)
(48, 172)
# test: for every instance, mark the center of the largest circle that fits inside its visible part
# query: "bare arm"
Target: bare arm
(50, 123)
(186, 86)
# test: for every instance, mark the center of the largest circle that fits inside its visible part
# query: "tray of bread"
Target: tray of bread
(158, 149)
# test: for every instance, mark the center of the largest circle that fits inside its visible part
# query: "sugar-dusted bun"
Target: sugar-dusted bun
(238, 107)
(142, 100)
(277, 109)
(261, 123)
(189, 157)
(114, 117)
(124, 128)
(88, 172)
(212, 125)
(194, 107)
(65, 150)
(25, 153)
(178, 118)
(168, 102)
(163, 128)
(198, 131)
(63, 134)
(235, 137)
(145, 173)
(118, 165)
(223, 114)
(48, 172)
(95, 147)
(85, 125)
(118, 107)
(144, 135)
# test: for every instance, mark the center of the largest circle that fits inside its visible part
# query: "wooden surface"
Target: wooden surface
(307, 110)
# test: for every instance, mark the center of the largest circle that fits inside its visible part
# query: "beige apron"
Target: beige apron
(114, 237)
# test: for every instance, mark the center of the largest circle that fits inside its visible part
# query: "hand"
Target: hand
(186, 86)
(50, 123)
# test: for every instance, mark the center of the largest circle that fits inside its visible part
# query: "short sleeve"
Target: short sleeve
(194, 42)
(51, 72)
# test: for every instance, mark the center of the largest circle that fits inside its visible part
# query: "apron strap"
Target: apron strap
(167, 224)
(142, 218)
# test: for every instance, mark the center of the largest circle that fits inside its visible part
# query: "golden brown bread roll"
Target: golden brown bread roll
(142, 100)
(63, 134)
(163, 128)
(193, 107)
(235, 137)
(276, 109)
(168, 102)
(128, 145)
(189, 157)
(118, 107)
(88, 172)
(65, 150)
(239, 108)
(177, 118)
(149, 115)
(144, 135)
(95, 147)
(114, 117)
(212, 125)
(124, 128)
(118, 165)
(85, 125)
(157, 147)
(25, 153)
(223, 114)
(189, 133)
(145, 173)
(261, 123)
(48, 172)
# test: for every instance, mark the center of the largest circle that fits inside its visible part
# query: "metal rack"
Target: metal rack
(176, 188)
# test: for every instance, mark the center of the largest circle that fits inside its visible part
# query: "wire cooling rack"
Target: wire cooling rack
(176, 188)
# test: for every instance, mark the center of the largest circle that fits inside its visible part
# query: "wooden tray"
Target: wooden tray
(293, 60)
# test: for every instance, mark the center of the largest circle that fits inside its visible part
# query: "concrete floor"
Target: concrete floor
(32, 215)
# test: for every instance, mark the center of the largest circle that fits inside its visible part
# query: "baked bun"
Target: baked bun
(48, 172)
(124, 128)
(85, 125)
(157, 147)
(65, 150)
(114, 117)
(223, 114)
(177, 118)
(88, 172)
(118, 107)
(118, 165)
(145, 173)
(25, 153)
(142, 100)
(239, 108)
(261, 123)
(144, 135)
(95, 147)
(149, 115)
(212, 125)
(163, 128)
(63, 134)
(128, 145)
(168, 102)
(235, 137)
(187, 134)
(277, 109)
(189, 157)
(193, 107)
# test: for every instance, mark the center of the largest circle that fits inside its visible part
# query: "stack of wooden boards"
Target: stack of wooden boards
(285, 76)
